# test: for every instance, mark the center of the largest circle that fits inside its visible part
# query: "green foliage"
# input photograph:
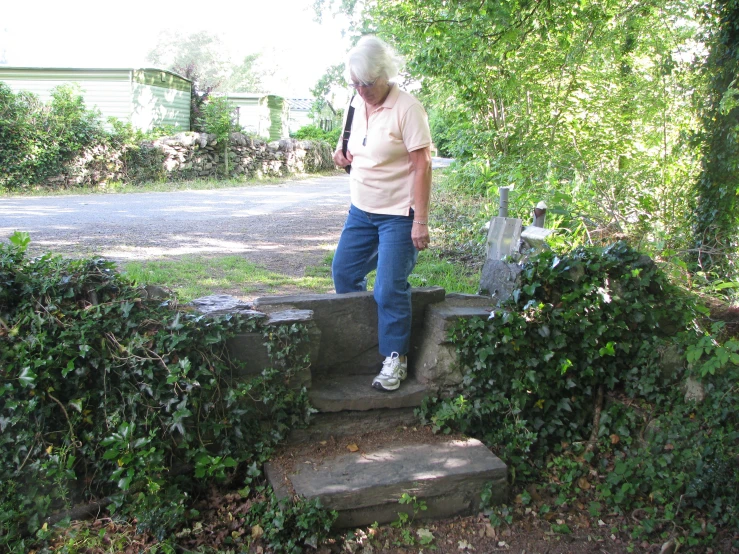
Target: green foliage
(313, 132)
(593, 324)
(37, 140)
(405, 521)
(219, 119)
(291, 525)
(716, 219)
(587, 108)
(106, 394)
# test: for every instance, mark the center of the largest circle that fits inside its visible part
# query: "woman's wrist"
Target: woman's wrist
(420, 222)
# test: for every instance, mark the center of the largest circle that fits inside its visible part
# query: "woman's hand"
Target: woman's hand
(420, 236)
(342, 161)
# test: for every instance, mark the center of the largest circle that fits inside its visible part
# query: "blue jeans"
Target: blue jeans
(383, 242)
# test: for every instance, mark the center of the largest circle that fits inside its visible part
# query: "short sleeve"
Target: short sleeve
(415, 128)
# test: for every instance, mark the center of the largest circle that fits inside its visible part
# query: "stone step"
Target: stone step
(354, 392)
(331, 425)
(365, 486)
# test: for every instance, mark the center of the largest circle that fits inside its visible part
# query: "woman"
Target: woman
(390, 184)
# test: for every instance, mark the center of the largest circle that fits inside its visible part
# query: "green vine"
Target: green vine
(112, 399)
(573, 383)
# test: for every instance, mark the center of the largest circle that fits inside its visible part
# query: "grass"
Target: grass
(196, 276)
(453, 263)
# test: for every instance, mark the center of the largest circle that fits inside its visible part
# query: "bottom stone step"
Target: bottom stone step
(324, 426)
(365, 486)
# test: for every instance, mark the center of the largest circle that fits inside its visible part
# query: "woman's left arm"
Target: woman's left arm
(421, 164)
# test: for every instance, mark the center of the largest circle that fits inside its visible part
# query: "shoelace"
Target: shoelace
(387, 367)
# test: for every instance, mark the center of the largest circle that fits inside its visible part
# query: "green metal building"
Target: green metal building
(265, 115)
(145, 97)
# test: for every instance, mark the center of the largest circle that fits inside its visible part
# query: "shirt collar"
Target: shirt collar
(389, 102)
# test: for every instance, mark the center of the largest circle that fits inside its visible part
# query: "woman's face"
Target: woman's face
(372, 93)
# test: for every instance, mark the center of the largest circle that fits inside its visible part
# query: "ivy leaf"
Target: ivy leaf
(69, 368)
(608, 349)
(27, 377)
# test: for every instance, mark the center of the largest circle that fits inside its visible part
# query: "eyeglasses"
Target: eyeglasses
(362, 85)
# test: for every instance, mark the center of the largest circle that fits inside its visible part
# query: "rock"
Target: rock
(499, 279)
(219, 304)
(365, 486)
(348, 324)
(154, 292)
(694, 391)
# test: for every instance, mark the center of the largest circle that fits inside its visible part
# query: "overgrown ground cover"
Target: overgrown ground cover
(121, 404)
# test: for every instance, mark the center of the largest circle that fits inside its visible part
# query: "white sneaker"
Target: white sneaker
(393, 372)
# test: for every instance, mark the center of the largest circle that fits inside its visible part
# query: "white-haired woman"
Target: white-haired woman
(390, 183)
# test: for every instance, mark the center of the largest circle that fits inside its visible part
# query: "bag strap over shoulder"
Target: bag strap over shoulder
(347, 131)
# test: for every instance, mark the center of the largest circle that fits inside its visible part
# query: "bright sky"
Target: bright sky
(100, 33)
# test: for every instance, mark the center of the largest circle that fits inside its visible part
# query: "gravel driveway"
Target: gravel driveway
(284, 227)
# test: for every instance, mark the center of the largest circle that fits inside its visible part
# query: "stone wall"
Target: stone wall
(199, 155)
(194, 156)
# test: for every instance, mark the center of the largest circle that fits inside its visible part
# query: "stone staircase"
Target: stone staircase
(365, 448)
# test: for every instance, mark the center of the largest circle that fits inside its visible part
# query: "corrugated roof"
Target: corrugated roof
(33, 68)
(300, 103)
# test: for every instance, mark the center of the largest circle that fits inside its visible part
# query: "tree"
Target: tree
(584, 105)
(716, 211)
(218, 118)
(210, 61)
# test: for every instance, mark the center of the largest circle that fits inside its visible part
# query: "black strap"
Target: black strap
(347, 132)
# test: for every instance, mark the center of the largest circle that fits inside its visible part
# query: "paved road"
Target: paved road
(288, 225)
(155, 225)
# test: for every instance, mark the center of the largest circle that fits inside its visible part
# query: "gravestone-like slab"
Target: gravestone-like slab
(499, 279)
(365, 487)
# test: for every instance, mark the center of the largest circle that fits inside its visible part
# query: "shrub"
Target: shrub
(107, 395)
(37, 140)
(315, 133)
(574, 370)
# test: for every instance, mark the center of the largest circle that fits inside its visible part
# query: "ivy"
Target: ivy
(571, 381)
(108, 396)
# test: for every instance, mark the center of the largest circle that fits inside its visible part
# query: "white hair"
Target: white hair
(372, 58)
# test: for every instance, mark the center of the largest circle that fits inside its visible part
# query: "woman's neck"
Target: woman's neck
(381, 101)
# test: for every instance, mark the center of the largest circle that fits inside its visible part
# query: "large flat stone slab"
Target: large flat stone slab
(251, 348)
(365, 487)
(354, 392)
(437, 361)
(348, 325)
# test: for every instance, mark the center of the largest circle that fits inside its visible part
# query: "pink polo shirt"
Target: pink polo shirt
(381, 180)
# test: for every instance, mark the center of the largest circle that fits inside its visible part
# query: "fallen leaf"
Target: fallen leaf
(464, 545)
(583, 483)
(490, 531)
(425, 534)
(256, 532)
(352, 447)
(502, 544)
(324, 443)
(615, 439)
(669, 447)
